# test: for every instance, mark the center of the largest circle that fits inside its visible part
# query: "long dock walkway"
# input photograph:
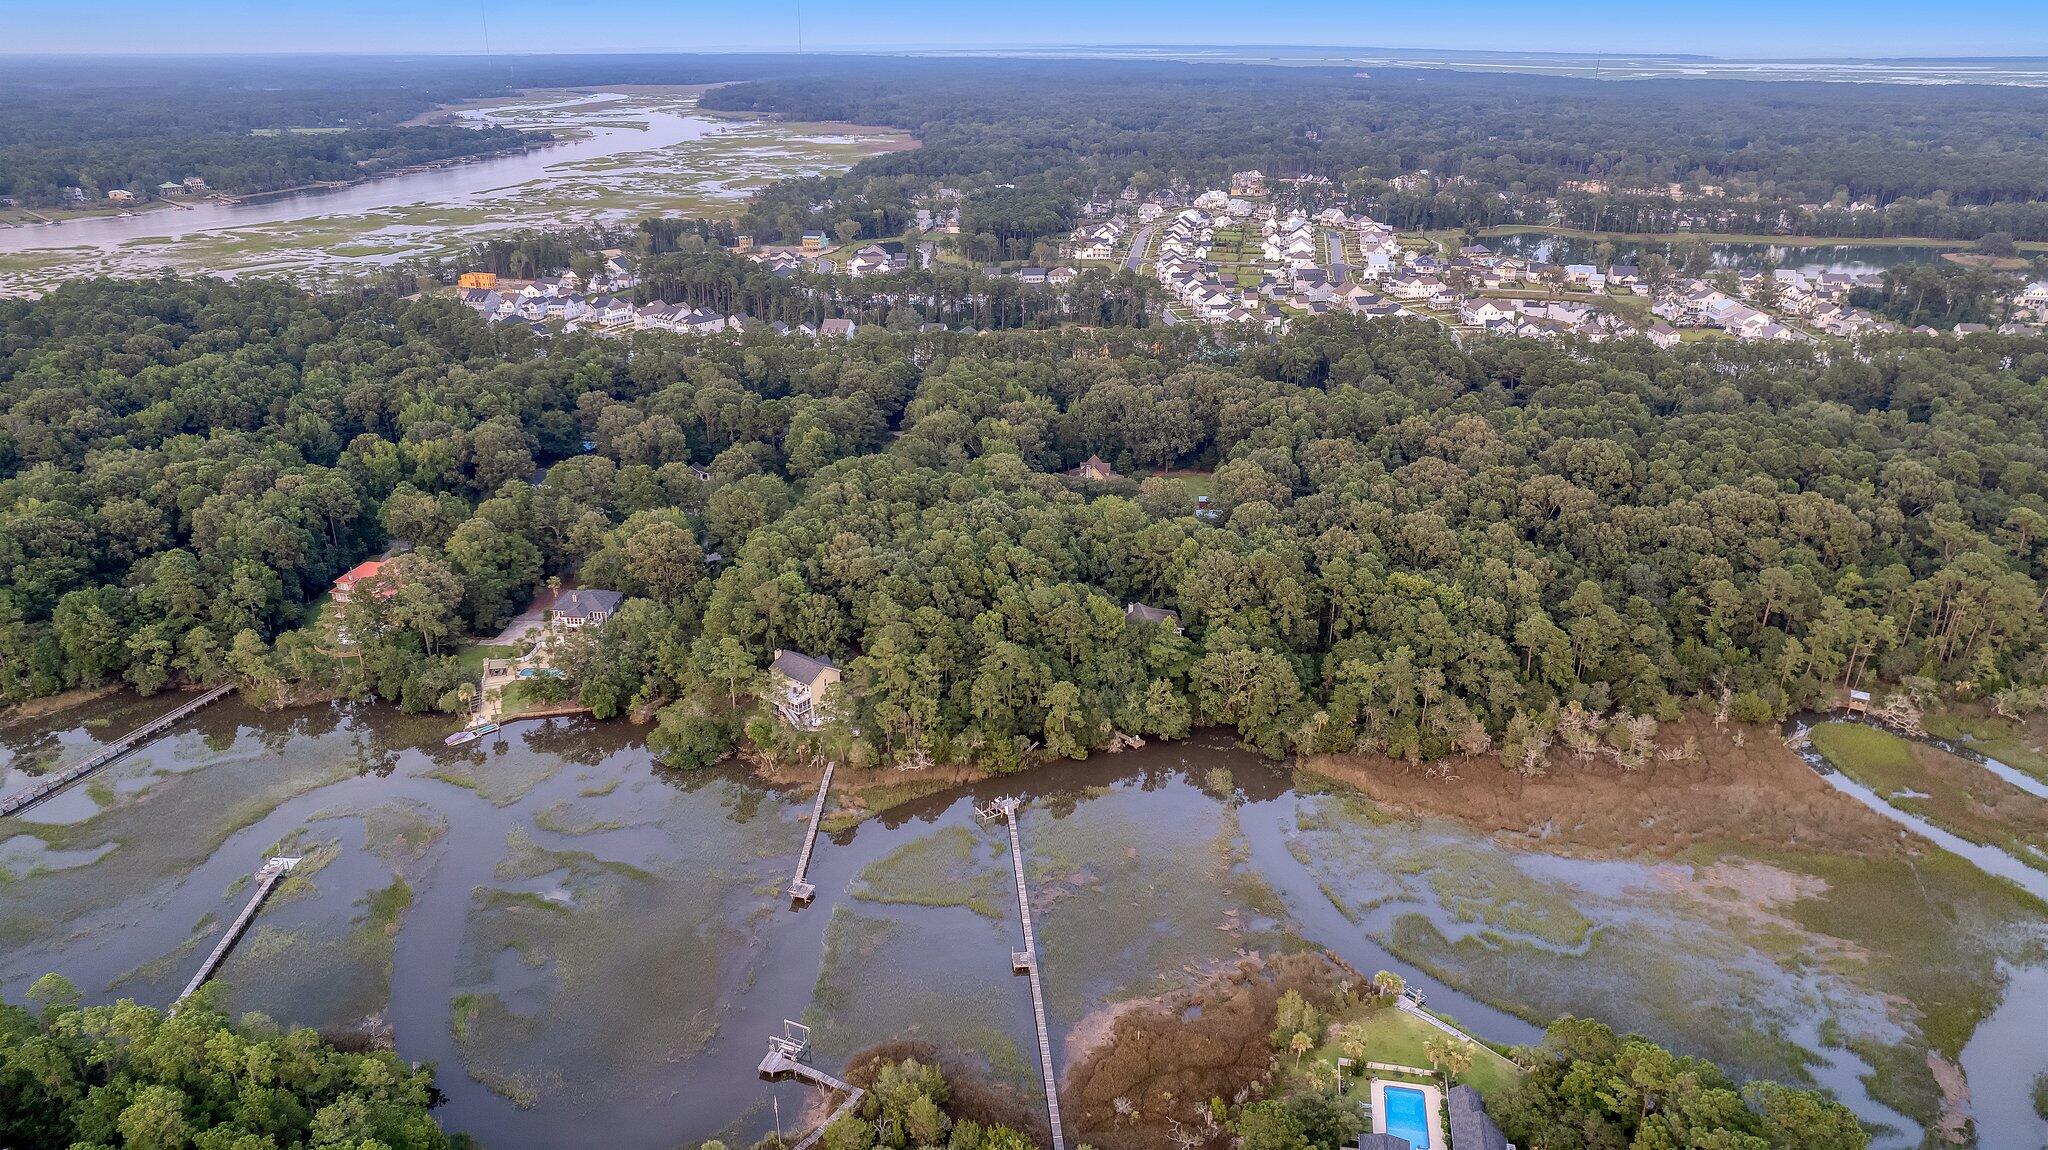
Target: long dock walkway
(1025, 962)
(15, 804)
(267, 878)
(785, 1060)
(800, 888)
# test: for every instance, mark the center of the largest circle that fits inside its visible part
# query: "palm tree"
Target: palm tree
(1388, 983)
(1300, 1044)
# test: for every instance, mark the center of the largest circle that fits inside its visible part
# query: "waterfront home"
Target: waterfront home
(799, 686)
(1471, 1127)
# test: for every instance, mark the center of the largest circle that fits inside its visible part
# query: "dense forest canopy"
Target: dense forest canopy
(100, 1077)
(1417, 546)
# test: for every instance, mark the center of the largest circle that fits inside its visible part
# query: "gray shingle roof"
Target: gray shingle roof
(801, 668)
(583, 603)
(1471, 1128)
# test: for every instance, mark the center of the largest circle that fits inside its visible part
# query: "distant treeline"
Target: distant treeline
(1954, 162)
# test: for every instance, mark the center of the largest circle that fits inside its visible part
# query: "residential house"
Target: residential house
(837, 328)
(868, 261)
(360, 573)
(1152, 616)
(120, 196)
(1663, 335)
(1095, 470)
(585, 607)
(814, 242)
(1482, 311)
(800, 687)
(1471, 1128)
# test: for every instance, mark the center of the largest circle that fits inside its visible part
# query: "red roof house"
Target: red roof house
(354, 575)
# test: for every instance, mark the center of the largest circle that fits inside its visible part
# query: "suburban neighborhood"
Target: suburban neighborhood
(1256, 255)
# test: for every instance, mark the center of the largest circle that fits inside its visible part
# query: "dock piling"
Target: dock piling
(801, 889)
(785, 1059)
(1026, 962)
(267, 878)
(15, 804)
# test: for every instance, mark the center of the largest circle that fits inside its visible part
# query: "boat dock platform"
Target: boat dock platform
(15, 804)
(1025, 962)
(785, 1060)
(800, 888)
(267, 878)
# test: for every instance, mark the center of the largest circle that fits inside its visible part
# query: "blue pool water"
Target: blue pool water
(1406, 1115)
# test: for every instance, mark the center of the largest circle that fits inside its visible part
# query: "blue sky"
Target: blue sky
(1726, 27)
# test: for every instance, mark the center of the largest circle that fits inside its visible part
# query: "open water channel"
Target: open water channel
(576, 936)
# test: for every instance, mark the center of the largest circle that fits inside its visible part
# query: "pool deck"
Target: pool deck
(1434, 1104)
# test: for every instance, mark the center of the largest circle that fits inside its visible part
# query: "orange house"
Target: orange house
(484, 280)
(354, 575)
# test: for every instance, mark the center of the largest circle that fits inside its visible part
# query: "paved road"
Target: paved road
(1339, 273)
(1139, 243)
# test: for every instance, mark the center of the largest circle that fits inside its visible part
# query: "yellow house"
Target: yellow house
(799, 685)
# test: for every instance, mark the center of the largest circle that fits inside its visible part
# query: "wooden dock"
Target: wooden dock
(267, 878)
(800, 888)
(785, 1060)
(1025, 962)
(15, 804)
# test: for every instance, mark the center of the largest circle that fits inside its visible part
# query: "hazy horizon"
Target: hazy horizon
(1740, 29)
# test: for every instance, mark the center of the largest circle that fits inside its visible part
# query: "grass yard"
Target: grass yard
(1197, 482)
(471, 658)
(1396, 1036)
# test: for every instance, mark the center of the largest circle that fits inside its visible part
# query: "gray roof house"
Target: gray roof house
(586, 607)
(1471, 1128)
(1139, 613)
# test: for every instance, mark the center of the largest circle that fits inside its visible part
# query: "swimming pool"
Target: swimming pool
(1405, 1114)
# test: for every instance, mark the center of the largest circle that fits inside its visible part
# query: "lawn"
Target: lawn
(1197, 482)
(1396, 1036)
(471, 658)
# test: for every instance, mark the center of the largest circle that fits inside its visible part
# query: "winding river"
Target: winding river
(453, 184)
(575, 935)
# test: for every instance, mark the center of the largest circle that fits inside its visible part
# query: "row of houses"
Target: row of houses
(1100, 241)
(550, 305)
